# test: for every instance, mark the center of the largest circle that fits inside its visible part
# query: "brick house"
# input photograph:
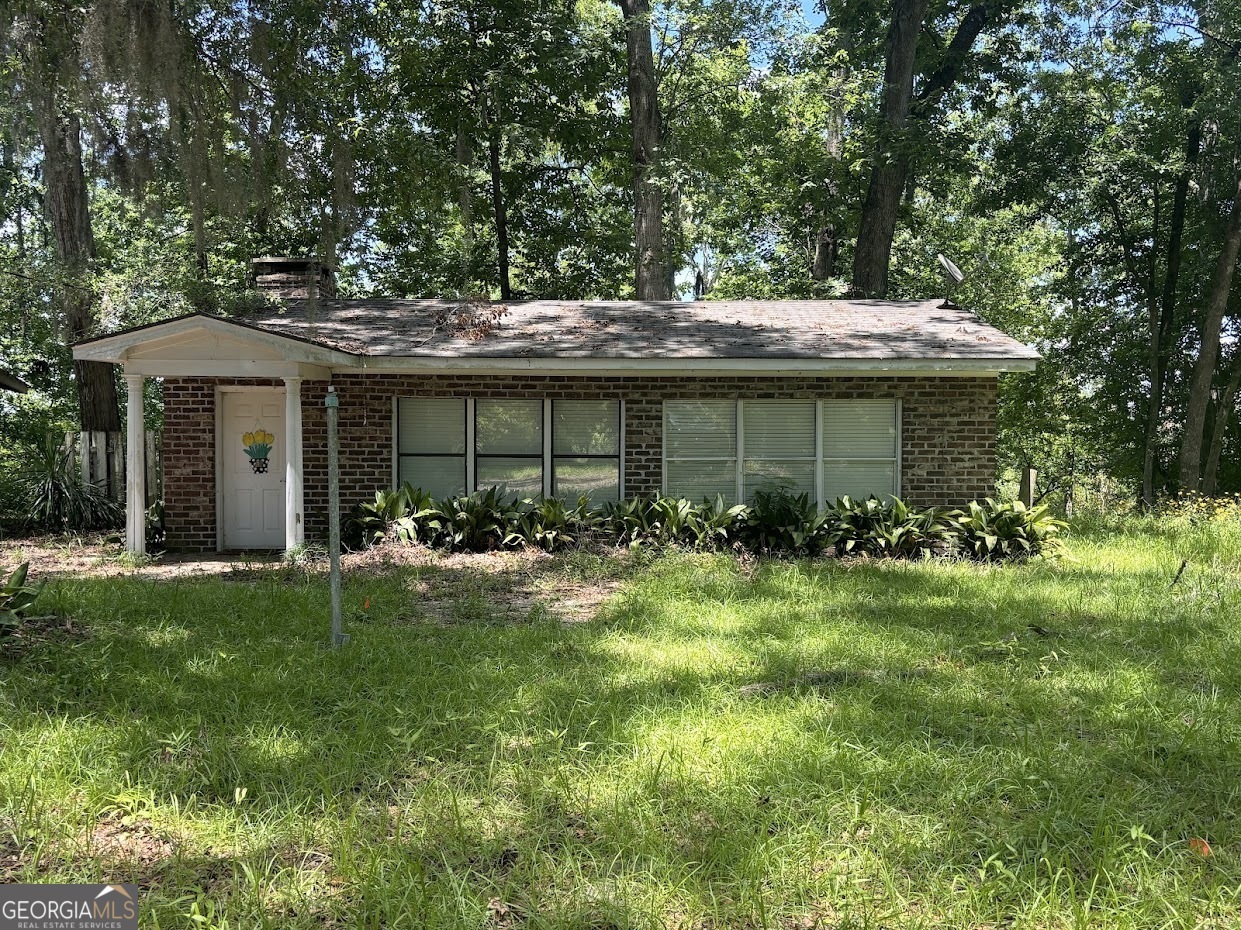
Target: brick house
(566, 398)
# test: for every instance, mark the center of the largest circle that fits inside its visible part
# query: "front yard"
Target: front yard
(616, 742)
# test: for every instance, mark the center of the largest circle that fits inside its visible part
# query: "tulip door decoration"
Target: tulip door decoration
(258, 446)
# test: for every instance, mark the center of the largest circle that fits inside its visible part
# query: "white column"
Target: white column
(135, 467)
(294, 502)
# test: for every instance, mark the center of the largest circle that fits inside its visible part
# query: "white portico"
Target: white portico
(260, 497)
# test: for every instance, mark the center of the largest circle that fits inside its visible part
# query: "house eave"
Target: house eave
(989, 367)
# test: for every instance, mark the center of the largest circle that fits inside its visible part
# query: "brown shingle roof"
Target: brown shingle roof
(725, 329)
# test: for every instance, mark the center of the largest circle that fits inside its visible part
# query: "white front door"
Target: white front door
(252, 451)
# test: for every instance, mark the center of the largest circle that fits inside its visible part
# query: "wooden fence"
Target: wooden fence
(100, 457)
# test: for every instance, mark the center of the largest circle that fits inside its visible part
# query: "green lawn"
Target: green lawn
(778, 744)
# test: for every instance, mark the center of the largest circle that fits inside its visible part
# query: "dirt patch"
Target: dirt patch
(508, 586)
(128, 841)
(38, 631)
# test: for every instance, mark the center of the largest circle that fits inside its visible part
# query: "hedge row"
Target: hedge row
(777, 522)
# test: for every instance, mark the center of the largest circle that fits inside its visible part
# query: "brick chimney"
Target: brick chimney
(293, 278)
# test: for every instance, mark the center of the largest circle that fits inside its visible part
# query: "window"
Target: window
(508, 446)
(779, 446)
(431, 444)
(526, 448)
(700, 448)
(824, 448)
(859, 448)
(586, 450)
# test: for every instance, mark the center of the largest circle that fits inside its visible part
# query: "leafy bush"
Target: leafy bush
(406, 515)
(16, 597)
(1009, 530)
(475, 522)
(633, 522)
(550, 524)
(887, 528)
(670, 521)
(56, 498)
(780, 521)
(716, 524)
(777, 522)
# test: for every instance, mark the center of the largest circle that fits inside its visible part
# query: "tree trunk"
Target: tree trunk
(1208, 352)
(501, 211)
(887, 176)
(69, 216)
(1223, 414)
(651, 278)
(465, 201)
(1161, 323)
(826, 251)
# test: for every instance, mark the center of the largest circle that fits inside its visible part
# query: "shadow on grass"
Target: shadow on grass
(985, 742)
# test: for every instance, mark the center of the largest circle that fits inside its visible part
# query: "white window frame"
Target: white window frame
(740, 459)
(471, 451)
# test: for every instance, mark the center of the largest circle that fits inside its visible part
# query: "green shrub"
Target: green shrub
(887, 528)
(671, 521)
(16, 598)
(406, 515)
(475, 522)
(550, 524)
(718, 525)
(634, 522)
(56, 498)
(1009, 530)
(779, 521)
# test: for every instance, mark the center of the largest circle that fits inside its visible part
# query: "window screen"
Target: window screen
(779, 447)
(859, 448)
(508, 444)
(825, 449)
(700, 448)
(431, 443)
(586, 450)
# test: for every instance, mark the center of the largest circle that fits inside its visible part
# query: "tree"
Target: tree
(651, 280)
(46, 46)
(901, 110)
(1208, 353)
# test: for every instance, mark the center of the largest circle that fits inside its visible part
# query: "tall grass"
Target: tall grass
(771, 744)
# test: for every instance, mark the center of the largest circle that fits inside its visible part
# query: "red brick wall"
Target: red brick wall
(947, 437)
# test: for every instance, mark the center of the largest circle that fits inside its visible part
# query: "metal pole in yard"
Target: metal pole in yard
(332, 403)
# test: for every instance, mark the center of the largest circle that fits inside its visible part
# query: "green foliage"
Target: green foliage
(56, 498)
(16, 598)
(634, 522)
(888, 528)
(1007, 530)
(475, 522)
(404, 515)
(779, 521)
(549, 523)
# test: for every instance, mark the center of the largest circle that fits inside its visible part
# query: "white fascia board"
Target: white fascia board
(226, 368)
(115, 348)
(991, 367)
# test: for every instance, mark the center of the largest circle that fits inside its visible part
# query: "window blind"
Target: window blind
(779, 441)
(825, 449)
(700, 449)
(859, 449)
(431, 443)
(586, 450)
